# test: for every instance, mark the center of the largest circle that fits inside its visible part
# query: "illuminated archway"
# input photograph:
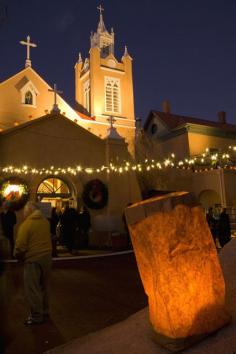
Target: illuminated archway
(54, 190)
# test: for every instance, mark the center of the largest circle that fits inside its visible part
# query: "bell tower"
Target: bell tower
(102, 38)
(104, 85)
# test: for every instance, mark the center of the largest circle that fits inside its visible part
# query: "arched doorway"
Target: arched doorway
(209, 198)
(55, 191)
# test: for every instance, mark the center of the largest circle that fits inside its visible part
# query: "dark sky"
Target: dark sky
(183, 50)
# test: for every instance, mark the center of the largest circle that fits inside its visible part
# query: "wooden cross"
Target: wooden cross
(55, 91)
(100, 9)
(28, 45)
(111, 120)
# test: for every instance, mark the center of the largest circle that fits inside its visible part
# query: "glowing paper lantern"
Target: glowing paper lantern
(179, 267)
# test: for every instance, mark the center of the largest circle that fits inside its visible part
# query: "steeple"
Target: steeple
(80, 58)
(104, 87)
(101, 26)
(102, 38)
(126, 53)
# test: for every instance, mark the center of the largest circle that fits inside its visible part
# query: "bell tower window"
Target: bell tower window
(28, 98)
(112, 95)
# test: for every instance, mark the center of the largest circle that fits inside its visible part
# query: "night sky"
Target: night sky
(183, 50)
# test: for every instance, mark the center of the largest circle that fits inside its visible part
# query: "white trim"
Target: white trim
(112, 70)
(29, 87)
(94, 256)
(58, 259)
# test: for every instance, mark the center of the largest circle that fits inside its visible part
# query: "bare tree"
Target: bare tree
(148, 152)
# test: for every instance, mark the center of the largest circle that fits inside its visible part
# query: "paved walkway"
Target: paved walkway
(135, 335)
(86, 295)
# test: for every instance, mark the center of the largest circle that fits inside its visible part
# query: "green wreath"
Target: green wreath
(15, 191)
(95, 194)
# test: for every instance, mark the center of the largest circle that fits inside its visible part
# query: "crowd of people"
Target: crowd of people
(219, 224)
(70, 228)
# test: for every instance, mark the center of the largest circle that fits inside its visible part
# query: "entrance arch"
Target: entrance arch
(209, 198)
(55, 191)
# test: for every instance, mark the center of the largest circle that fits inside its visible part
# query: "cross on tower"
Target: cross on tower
(111, 120)
(28, 45)
(100, 9)
(55, 91)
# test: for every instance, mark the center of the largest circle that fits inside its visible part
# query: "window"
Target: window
(87, 95)
(28, 93)
(112, 95)
(53, 187)
(28, 98)
(154, 128)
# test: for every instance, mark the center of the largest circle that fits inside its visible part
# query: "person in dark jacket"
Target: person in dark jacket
(84, 226)
(54, 220)
(69, 224)
(212, 222)
(224, 228)
(8, 218)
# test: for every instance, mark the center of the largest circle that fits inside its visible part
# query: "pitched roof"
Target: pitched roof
(50, 116)
(174, 121)
(84, 116)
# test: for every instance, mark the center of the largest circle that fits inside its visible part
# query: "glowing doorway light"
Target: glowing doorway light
(13, 191)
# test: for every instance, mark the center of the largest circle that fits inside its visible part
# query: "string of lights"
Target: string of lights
(207, 161)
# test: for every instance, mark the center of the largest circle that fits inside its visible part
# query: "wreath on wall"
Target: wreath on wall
(95, 194)
(14, 191)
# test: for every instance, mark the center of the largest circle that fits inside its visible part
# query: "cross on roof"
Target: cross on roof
(111, 120)
(28, 44)
(55, 91)
(100, 9)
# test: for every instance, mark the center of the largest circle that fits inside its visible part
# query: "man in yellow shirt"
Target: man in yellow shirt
(33, 246)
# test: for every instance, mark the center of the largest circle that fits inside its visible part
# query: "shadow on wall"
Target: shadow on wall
(146, 194)
(209, 198)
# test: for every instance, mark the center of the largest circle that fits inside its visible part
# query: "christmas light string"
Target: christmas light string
(204, 162)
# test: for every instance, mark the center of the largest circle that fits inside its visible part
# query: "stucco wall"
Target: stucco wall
(178, 145)
(199, 142)
(56, 141)
(230, 187)
(53, 141)
(13, 111)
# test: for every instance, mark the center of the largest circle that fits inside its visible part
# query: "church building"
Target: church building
(103, 88)
(56, 153)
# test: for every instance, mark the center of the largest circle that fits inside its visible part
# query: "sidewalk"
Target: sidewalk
(135, 335)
